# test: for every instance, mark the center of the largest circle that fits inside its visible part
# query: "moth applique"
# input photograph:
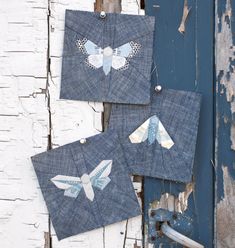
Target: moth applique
(98, 178)
(117, 58)
(152, 129)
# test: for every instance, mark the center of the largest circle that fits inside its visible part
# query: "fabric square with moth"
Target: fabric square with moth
(160, 139)
(86, 185)
(107, 59)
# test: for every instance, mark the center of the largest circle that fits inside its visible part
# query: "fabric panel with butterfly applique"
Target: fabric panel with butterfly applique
(86, 186)
(159, 139)
(107, 59)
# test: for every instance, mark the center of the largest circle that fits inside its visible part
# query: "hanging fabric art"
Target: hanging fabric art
(160, 139)
(86, 185)
(107, 59)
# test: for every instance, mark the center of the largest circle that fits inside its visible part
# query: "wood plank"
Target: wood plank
(185, 61)
(225, 124)
(23, 121)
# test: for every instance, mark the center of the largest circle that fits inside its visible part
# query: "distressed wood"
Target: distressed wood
(72, 120)
(109, 6)
(24, 122)
(33, 119)
(184, 61)
(225, 124)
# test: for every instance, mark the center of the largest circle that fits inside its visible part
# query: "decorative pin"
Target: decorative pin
(158, 88)
(102, 14)
(82, 141)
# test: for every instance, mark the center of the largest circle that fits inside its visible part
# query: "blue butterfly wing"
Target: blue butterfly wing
(124, 50)
(73, 191)
(98, 180)
(101, 183)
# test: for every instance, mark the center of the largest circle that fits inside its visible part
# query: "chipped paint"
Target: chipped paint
(226, 213)
(186, 11)
(225, 125)
(172, 203)
(225, 58)
(175, 214)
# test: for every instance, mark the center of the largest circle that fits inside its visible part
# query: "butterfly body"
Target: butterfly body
(97, 178)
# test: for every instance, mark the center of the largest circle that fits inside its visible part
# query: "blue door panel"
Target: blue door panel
(185, 62)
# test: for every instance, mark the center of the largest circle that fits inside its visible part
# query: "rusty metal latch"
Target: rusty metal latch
(178, 237)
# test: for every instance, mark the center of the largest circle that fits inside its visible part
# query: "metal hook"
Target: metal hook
(178, 237)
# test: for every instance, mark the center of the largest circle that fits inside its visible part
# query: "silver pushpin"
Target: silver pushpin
(82, 141)
(158, 88)
(102, 14)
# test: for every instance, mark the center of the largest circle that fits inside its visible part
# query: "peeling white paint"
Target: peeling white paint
(170, 202)
(24, 124)
(225, 55)
(23, 121)
(225, 217)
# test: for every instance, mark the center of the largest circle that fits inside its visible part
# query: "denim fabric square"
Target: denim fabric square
(86, 185)
(159, 139)
(107, 59)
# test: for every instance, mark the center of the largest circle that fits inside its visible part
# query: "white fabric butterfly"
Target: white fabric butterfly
(152, 129)
(116, 58)
(97, 178)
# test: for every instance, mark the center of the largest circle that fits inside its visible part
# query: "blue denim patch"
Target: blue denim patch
(107, 59)
(164, 157)
(86, 185)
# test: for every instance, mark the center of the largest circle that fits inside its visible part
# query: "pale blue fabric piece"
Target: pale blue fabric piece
(91, 48)
(152, 129)
(123, 50)
(107, 64)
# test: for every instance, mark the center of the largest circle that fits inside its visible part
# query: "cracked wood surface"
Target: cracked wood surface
(23, 121)
(225, 125)
(33, 119)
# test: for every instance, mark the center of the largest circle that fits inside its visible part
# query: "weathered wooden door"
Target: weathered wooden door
(184, 60)
(194, 50)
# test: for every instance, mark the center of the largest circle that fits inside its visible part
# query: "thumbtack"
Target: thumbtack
(102, 14)
(82, 141)
(158, 88)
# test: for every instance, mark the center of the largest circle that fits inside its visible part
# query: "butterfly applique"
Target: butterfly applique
(151, 130)
(117, 58)
(97, 178)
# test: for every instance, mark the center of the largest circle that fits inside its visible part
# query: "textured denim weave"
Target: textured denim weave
(80, 82)
(179, 113)
(116, 202)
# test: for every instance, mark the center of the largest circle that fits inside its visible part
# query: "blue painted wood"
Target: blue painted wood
(186, 62)
(225, 148)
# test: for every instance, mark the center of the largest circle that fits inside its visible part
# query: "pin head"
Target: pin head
(82, 141)
(158, 88)
(102, 14)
